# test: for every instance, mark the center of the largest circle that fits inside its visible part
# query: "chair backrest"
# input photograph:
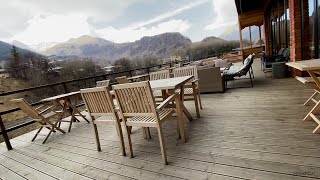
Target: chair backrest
(103, 83)
(186, 71)
(247, 65)
(286, 53)
(98, 101)
(25, 107)
(122, 79)
(135, 99)
(164, 74)
(281, 51)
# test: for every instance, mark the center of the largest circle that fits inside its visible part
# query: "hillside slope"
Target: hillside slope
(87, 46)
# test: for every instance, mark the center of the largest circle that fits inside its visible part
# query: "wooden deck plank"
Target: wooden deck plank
(7, 174)
(193, 159)
(44, 166)
(23, 170)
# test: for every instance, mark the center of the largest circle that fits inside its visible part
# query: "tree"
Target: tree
(123, 64)
(14, 64)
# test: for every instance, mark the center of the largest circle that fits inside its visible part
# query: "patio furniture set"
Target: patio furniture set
(313, 68)
(143, 104)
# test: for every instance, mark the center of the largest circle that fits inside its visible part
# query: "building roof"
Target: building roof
(250, 12)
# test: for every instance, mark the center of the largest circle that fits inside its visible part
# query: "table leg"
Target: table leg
(316, 109)
(185, 111)
(181, 132)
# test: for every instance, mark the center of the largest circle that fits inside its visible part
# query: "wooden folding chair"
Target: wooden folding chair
(103, 83)
(191, 89)
(310, 82)
(101, 109)
(164, 74)
(122, 79)
(138, 108)
(42, 117)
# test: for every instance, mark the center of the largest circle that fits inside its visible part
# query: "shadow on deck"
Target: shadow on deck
(249, 133)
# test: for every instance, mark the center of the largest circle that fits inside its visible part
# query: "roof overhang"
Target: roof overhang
(250, 12)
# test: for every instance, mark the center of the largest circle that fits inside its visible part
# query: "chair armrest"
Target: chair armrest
(195, 80)
(165, 102)
(45, 110)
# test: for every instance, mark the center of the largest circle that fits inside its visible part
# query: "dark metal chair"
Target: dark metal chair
(266, 61)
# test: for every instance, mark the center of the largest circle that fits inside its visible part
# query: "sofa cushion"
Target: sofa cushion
(222, 63)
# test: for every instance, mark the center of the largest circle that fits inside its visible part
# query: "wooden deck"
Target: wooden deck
(245, 133)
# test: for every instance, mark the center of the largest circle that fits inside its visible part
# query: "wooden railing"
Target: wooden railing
(4, 130)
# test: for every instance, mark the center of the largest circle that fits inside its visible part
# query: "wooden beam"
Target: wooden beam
(250, 36)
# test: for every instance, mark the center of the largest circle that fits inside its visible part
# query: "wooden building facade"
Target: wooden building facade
(290, 24)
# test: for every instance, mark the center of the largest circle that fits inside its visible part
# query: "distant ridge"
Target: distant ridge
(94, 47)
(5, 50)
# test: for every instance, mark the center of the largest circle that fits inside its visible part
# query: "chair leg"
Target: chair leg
(311, 97)
(252, 72)
(199, 98)
(70, 125)
(129, 141)
(120, 134)
(35, 136)
(48, 135)
(196, 104)
(96, 134)
(250, 79)
(148, 133)
(162, 145)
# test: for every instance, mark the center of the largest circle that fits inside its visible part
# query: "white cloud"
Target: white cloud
(226, 16)
(16, 14)
(132, 34)
(169, 14)
(58, 28)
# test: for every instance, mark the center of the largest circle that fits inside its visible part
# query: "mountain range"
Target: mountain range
(95, 47)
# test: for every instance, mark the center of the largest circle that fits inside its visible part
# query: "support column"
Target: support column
(267, 38)
(260, 42)
(250, 36)
(241, 45)
(299, 32)
(299, 36)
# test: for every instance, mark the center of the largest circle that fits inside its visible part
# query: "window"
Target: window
(279, 25)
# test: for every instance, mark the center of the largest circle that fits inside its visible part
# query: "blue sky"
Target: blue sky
(36, 21)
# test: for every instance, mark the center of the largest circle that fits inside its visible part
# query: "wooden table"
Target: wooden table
(171, 85)
(313, 68)
(138, 77)
(68, 106)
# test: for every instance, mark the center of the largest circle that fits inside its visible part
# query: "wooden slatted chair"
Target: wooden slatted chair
(310, 82)
(103, 83)
(164, 74)
(101, 109)
(42, 117)
(122, 79)
(191, 89)
(138, 108)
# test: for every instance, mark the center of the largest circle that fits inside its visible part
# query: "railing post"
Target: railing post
(5, 135)
(66, 89)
